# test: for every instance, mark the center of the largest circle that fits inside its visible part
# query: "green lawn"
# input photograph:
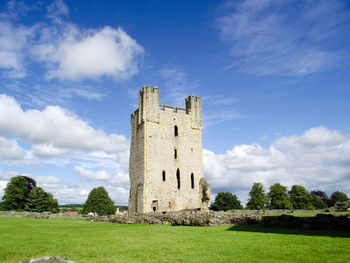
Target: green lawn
(84, 241)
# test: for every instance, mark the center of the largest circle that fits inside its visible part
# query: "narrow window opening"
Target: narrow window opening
(192, 180)
(176, 132)
(163, 176)
(175, 153)
(178, 178)
(154, 208)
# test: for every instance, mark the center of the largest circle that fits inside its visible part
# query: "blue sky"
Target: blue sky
(273, 76)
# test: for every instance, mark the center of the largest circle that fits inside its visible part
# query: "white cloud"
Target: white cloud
(317, 159)
(56, 9)
(92, 175)
(90, 54)
(13, 42)
(63, 192)
(66, 50)
(6, 176)
(114, 179)
(55, 130)
(279, 37)
(9, 149)
(74, 193)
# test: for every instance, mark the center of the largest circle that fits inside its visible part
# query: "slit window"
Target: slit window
(176, 131)
(178, 178)
(163, 176)
(192, 180)
(175, 153)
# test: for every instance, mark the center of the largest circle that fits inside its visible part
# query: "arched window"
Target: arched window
(178, 178)
(176, 132)
(163, 176)
(175, 153)
(192, 180)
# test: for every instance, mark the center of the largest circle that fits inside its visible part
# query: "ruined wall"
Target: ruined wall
(167, 182)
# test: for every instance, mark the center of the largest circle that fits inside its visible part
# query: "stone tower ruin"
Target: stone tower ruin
(166, 166)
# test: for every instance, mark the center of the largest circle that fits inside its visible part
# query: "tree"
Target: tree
(338, 196)
(257, 198)
(99, 202)
(324, 197)
(15, 194)
(40, 201)
(300, 198)
(317, 202)
(278, 197)
(31, 183)
(226, 201)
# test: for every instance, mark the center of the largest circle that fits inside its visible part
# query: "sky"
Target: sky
(273, 77)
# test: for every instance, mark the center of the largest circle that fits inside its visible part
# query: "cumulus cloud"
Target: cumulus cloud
(55, 130)
(90, 54)
(9, 149)
(114, 179)
(62, 191)
(78, 193)
(279, 37)
(60, 138)
(317, 159)
(64, 49)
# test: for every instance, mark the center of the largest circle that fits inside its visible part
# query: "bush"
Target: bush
(278, 197)
(225, 201)
(317, 202)
(300, 198)
(99, 202)
(257, 198)
(15, 194)
(338, 196)
(40, 201)
(323, 196)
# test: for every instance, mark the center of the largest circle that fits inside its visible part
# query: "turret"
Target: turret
(194, 109)
(149, 104)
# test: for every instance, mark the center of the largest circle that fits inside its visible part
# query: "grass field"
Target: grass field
(84, 241)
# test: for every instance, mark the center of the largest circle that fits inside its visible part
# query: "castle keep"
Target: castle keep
(166, 166)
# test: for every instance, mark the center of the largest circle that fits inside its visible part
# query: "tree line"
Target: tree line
(22, 194)
(279, 198)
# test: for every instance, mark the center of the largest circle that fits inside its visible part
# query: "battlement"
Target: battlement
(149, 107)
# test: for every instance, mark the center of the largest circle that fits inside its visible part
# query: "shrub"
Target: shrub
(99, 202)
(226, 201)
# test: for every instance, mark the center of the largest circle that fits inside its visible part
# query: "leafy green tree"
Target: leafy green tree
(300, 198)
(99, 202)
(31, 183)
(15, 194)
(338, 196)
(317, 202)
(40, 201)
(257, 198)
(225, 201)
(278, 197)
(324, 197)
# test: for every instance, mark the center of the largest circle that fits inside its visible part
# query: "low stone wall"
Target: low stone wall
(34, 214)
(197, 218)
(211, 218)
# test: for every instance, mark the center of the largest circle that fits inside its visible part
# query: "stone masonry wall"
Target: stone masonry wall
(159, 180)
